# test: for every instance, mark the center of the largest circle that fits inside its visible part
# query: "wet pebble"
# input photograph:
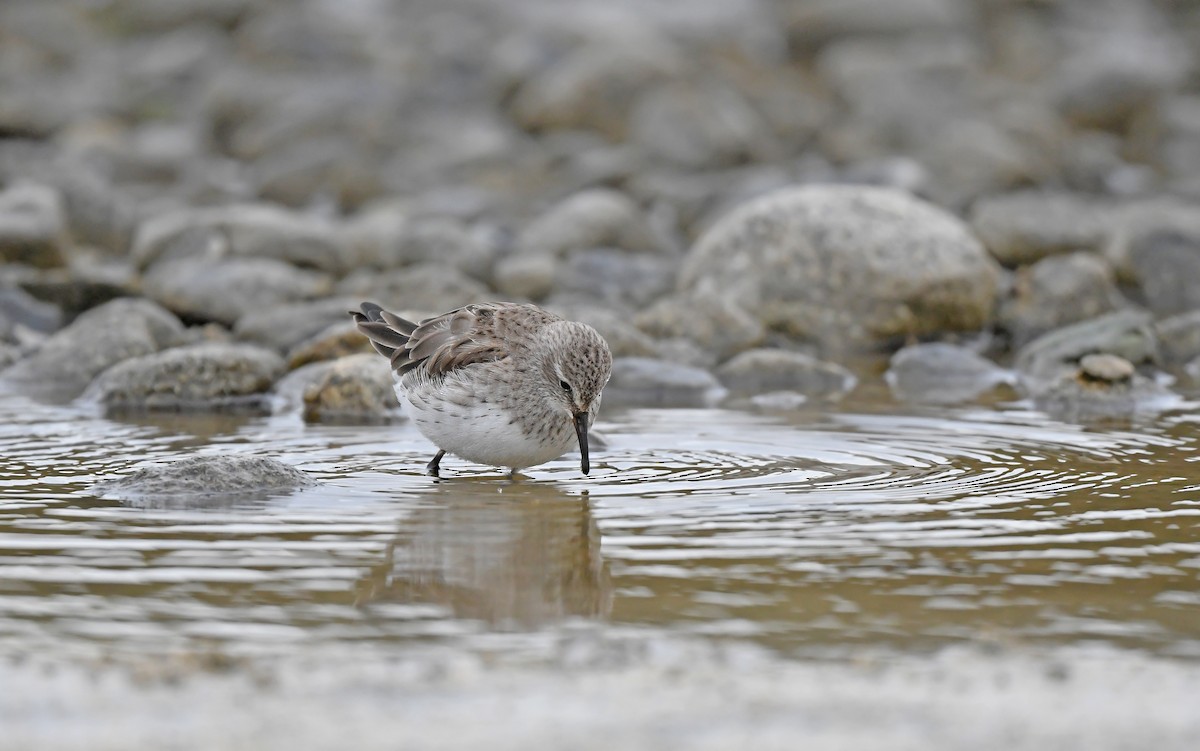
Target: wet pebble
(1106, 368)
(1126, 333)
(942, 373)
(526, 275)
(616, 277)
(205, 476)
(818, 22)
(338, 340)
(283, 327)
(225, 290)
(1057, 291)
(1103, 387)
(1027, 226)
(209, 376)
(591, 86)
(760, 371)
(256, 230)
(18, 308)
(1180, 337)
(589, 219)
(32, 225)
(1167, 266)
(82, 285)
(68, 361)
(423, 286)
(717, 325)
(702, 124)
(1107, 76)
(356, 389)
(647, 382)
(1135, 224)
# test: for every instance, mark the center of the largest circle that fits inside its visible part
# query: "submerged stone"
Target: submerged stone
(205, 476)
(760, 371)
(1126, 333)
(941, 373)
(1104, 387)
(647, 382)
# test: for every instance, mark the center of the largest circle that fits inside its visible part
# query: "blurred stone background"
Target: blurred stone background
(789, 182)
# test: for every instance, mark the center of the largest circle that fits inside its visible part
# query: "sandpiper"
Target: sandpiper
(497, 383)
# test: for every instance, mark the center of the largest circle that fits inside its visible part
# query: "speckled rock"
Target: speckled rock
(1026, 226)
(32, 226)
(68, 361)
(647, 382)
(1167, 266)
(83, 284)
(1120, 68)
(1179, 337)
(941, 373)
(616, 277)
(1130, 224)
(1055, 292)
(1126, 333)
(98, 213)
(257, 230)
(846, 266)
(205, 476)
(338, 340)
(423, 286)
(526, 275)
(703, 124)
(19, 309)
(818, 22)
(386, 235)
(208, 376)
(283, 327)
(225, 290)
(357, 388)
(760, 371)
(592, 85)
(592, 218)
(714, 323)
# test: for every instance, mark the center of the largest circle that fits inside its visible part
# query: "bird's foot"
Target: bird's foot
(433, 468)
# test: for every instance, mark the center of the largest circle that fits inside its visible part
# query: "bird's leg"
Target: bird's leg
(434, 465)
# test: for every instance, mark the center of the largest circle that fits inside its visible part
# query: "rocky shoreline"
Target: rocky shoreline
(744, 198)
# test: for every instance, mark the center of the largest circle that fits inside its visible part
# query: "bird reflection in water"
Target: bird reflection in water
(515, 556)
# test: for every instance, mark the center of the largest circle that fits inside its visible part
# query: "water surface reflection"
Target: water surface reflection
(806, 531)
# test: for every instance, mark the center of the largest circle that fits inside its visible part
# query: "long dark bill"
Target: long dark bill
(581, 428)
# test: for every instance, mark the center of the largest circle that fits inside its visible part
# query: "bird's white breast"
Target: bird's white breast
(479, 431)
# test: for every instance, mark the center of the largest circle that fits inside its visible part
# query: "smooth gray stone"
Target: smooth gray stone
(646, 382)
(209, 376)
(201, 477)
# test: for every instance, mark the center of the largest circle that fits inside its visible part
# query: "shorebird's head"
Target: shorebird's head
(576, 364)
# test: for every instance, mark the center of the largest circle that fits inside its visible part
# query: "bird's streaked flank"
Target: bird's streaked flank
(495, 383)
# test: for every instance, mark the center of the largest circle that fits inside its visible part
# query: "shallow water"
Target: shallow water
(810, 533)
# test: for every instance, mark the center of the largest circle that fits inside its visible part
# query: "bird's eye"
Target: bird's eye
(565, 386)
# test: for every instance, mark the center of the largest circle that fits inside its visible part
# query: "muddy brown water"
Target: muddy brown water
(819, 532)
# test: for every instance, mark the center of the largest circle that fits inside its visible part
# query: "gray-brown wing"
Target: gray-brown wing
(438, 345)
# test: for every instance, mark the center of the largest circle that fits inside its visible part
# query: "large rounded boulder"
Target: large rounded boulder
(846, 266)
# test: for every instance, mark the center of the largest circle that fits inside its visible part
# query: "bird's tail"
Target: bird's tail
(388, 332)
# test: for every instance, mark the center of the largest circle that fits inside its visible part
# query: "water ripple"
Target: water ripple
(832, 529)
